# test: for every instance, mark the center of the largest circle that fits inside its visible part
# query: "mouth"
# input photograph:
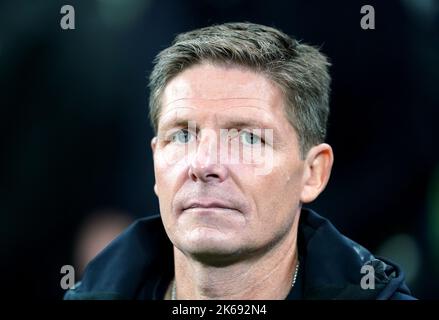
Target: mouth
(207, 205)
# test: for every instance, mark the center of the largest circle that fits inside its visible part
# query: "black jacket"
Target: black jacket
(139, 265)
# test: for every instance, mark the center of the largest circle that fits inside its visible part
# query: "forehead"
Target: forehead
(220, 89)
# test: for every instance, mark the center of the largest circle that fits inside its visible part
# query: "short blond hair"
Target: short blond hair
(300, 70)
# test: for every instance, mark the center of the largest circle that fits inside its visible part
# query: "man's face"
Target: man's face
(215, 205)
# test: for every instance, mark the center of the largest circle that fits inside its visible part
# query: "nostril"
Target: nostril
(212, 176)
(207, 171)
(206, 174)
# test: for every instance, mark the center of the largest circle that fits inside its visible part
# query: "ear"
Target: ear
(318, 166)
(153, 144)
(153, 147)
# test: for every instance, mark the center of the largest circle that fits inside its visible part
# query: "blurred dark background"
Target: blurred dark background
(76, 138)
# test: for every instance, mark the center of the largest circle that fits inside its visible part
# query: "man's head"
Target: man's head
(247, 90)
(299, 70)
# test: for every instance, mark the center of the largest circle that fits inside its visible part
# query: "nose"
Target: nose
(205, 165)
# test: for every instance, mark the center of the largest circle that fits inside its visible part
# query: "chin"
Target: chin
(210, 244)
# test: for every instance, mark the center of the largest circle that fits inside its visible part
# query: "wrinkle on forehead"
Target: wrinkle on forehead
(210, 99)
(212, 82)
(218, 115)
(215, 105)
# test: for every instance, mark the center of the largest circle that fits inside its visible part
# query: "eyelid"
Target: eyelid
(259, 132)
(171, 132)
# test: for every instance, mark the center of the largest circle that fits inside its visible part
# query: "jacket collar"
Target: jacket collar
(139, 265)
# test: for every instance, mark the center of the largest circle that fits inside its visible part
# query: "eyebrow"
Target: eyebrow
(180, 123)
(247, 123)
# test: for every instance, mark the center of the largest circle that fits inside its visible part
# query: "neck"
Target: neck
(268, 276)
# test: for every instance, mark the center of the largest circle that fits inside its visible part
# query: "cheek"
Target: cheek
(174, 155)
(168, 168)
(168, 178)
(278, 193)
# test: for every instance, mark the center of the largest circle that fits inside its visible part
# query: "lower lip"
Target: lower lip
(209, 210)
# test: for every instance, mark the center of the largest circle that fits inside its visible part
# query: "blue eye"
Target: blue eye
(250, 138)
(182, 136)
